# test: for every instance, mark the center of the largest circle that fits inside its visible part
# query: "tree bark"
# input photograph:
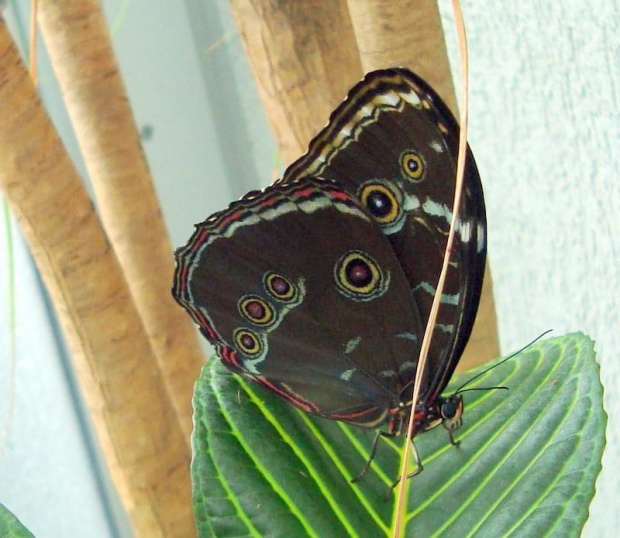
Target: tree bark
(79, 46)
(406, 33)
(304, 59)
(146, 450)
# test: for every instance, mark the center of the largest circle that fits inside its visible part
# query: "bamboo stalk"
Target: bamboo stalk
(304, 59)
(79, 46)
(409, 33)
(146, 450)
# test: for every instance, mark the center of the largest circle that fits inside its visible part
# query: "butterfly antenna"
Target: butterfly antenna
(499, 387)
(460, 389)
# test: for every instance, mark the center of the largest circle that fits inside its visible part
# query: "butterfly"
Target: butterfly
(320, 286)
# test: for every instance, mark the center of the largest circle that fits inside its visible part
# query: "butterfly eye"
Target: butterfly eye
(448, 410)
(247, 342)
(381, 202)
(412, 165)
(358, 277)
(256, 310)
(280, 287)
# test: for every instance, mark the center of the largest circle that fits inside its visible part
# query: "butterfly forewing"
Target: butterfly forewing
(393, 144)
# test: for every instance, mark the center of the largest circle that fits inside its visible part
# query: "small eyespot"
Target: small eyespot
(358, 276)
(381, 202)
(247, 342)
(256, 310)
(412, 165)
(280, 287)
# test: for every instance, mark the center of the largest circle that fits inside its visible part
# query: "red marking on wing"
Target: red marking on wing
(295, 400)
(229, 356)
(350, 416)
(182, 277)
(268, 202)
(232, 217)
(305, 192)
(340, 195)
(202, 321)
(198, 240)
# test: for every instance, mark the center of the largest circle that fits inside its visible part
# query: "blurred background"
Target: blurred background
(545, 130)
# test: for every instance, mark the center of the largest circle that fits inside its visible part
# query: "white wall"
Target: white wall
(545, 129)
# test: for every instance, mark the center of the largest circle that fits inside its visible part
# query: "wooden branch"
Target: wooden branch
(484, 343)
(304, 59)
(79, 46)
(409, 33)
(146, 450)
(406, 33)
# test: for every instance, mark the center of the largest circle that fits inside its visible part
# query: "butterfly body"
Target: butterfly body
(319, 287)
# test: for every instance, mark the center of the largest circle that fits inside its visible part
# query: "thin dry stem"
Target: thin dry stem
(460, 170)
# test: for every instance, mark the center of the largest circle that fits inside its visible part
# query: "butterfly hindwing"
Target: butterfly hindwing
(299, 290)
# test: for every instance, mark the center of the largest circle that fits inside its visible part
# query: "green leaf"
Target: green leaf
(10, 526)
(526, 465)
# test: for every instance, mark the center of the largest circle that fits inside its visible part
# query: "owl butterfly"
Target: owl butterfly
(319, 287)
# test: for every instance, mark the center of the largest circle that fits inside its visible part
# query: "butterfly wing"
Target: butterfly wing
(299, 290)
(393, 143)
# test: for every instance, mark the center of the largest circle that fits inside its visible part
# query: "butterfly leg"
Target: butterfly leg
(451, 427)
(373, 451)
(419, 469)
(452, 441)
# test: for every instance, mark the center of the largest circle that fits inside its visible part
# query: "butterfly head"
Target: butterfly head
(447, 411)
(451, 410)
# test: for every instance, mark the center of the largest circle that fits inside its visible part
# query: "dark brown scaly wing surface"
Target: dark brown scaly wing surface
(268, 283)
(393, 143)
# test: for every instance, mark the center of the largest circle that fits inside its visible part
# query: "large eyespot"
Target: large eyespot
(280, 287)
(256, 310)
(381, 201)
(358, 277)
(247, 342)
(412, 165)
